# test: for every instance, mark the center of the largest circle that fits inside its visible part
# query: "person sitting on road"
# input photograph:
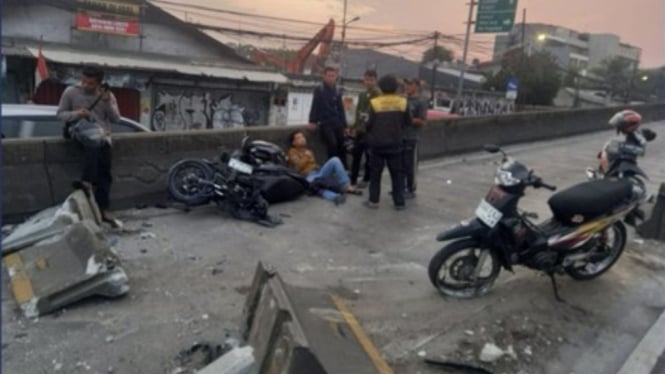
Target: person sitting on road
(330, 180)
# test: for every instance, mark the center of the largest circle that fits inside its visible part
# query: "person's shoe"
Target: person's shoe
(400, 207)
(362, 184)
(409, 195)
(114, 222)
(371, 205)
(340, 199)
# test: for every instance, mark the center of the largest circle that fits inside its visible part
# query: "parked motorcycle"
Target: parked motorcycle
(229, 183)
(618, 158)
(584, 238)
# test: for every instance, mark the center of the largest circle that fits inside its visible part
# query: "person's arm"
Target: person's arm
(421, 115)
(66, 111)
(112, 112)
(340, 109)
(371, 119)
(314, 111)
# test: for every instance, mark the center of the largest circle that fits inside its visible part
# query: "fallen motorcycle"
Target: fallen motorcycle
(584, 238)
(228, 182)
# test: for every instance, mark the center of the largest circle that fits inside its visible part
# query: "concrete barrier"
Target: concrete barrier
(37, 173)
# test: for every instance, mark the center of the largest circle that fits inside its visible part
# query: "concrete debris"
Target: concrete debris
(527, 350)
(449, 181)
(66, 268)
(236, 361)
(205, 317)
(109, 339)
(52, 221)
(638, 241)
(469, 332)
(422, 354)
(147, 235)
(57, 366)
(491, 353)
(147, 224)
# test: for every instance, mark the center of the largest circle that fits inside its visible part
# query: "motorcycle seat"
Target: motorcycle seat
(586, 201)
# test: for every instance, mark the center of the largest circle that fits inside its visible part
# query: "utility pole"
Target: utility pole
(460, 88)
(523, 57)
(341, 48)
(435, 66)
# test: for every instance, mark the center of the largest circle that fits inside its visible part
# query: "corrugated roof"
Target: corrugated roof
(77, 57)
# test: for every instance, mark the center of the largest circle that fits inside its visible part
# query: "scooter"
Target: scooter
(583, 239)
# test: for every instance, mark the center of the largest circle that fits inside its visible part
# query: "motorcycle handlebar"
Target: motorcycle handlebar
(538, 183)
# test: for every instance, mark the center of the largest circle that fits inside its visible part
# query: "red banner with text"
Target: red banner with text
(106, 23)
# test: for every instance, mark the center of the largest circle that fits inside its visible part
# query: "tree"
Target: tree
(439, 53)
(616, 73)
(538, 76)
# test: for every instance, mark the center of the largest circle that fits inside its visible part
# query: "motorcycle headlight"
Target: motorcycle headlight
(505, 178)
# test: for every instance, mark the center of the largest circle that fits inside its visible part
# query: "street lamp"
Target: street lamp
(542, 37)
(645, 78)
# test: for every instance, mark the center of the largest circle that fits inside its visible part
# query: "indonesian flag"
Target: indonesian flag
(41, 72)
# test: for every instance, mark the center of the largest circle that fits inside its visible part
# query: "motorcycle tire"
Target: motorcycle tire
(619, 230)
(439, 260)
(194, 194)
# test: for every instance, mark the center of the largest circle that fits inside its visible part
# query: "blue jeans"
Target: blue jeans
(333, 174)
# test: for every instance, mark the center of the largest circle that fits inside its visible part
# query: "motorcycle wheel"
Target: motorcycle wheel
(612, 242)
(183, 182)
(451, 270)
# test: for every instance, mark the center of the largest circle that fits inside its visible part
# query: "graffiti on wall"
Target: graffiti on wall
(191, 109)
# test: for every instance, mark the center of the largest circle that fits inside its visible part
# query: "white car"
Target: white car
(33, 121)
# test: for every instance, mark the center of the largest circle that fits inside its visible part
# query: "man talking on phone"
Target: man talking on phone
(92, 100)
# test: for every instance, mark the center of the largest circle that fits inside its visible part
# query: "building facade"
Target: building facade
(166, 73)
(572, 49)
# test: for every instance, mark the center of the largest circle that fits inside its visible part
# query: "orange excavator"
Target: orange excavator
(298, 62)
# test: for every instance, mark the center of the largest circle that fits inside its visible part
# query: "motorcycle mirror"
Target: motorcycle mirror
(648, 134)
(224, 157)
(491, 148)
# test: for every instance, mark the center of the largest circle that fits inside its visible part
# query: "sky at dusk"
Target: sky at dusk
(637, 22)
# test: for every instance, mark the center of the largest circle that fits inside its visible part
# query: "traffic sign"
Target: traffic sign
(495, 16)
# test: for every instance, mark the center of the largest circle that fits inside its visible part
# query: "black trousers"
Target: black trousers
(378, 159)
(333, 138)
(410, 160)
(360, 150)
(97, 171)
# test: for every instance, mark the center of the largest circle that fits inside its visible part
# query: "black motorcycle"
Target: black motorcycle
(584, 238)
(228, 182)
(259, 152)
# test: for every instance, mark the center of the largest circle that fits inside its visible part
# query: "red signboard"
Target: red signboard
(106, 23)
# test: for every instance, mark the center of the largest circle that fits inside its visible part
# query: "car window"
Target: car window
(123, 127)
(31, 126)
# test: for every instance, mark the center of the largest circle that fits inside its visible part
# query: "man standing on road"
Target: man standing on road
(418, 113)
(359, 129)
(327, 114)
(91, 100)
(388, 116)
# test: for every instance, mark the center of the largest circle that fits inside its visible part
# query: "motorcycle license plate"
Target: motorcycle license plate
(240, 166)
(488, 214)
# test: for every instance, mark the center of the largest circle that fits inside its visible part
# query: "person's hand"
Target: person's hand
(106, 94)
(82, 113)
(311, 126)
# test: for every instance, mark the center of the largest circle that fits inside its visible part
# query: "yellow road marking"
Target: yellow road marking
(379, 363)
(20, 282)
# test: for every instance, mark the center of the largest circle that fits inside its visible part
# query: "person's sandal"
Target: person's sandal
(114, 222)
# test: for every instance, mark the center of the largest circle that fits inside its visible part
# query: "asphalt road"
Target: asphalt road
(189, 283)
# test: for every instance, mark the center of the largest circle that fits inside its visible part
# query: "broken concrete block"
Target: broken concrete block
(52, 221)
(64, 269)
(236, 361)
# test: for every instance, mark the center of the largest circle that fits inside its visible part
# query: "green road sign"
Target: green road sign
(495, 16)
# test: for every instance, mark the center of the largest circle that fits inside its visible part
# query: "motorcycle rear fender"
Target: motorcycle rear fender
(471, 228)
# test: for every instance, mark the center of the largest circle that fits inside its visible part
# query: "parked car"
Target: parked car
(32, 121)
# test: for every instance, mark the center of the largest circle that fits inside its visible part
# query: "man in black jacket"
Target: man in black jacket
(327, 114)
(388, 116)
